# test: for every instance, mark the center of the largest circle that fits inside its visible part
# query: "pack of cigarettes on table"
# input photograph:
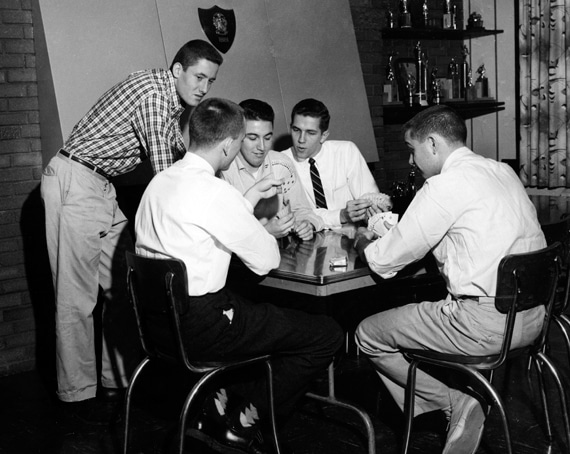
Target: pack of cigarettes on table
(338, 262)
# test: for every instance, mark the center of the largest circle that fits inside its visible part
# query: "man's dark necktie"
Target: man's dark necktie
(320, 200)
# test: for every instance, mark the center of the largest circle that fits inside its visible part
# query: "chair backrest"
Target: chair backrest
(560, 231)
(158, 290)
(525, 281)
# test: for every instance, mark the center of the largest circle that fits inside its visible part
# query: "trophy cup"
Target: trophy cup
(405, 16)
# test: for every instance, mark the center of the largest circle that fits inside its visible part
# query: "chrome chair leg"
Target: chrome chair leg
(269, 369)
(409, 405)
(543, 397)
(561, 392)
(128, 398)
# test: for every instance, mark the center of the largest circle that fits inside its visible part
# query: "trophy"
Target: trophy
(390, 18)
(405, 16)
(482, 83)
(447, 15)
(410, 89)
(453, 80)
(390, 85)
(464, 72)
(435, 87)
(454, 17)
(425, 14)
(475, 21)
(421, 76)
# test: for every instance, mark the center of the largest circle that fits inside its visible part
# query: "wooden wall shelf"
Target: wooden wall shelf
(436, 33)
(395, 114)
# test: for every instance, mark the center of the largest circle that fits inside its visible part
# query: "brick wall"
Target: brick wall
(22, 257)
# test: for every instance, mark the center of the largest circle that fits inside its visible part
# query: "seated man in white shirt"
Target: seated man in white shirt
(470, 213)
(288, 210)
(344, 174)
(189, 214)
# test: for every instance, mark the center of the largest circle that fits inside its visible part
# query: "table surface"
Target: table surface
(306, 265)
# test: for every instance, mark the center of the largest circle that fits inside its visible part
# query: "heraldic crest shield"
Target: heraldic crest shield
(219, 25)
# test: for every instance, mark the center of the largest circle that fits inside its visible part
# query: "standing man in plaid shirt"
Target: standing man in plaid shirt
(86, 231)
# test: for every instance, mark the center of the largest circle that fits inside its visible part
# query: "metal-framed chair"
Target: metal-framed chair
(524, 281)
(158, 290)
(560, 231)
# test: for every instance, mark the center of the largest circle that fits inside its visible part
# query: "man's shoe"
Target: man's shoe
(247, 442)
(466, 423)
(111, 394)
(92, 411)
(225, 439)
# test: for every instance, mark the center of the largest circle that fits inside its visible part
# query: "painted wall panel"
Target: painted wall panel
(249, 69)
(282, 52)
(317, 57)
(93, 45)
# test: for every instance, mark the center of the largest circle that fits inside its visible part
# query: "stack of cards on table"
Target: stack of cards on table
(380, 223)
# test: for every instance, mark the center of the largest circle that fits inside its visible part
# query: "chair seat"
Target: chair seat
(206, 366)
(482, 362)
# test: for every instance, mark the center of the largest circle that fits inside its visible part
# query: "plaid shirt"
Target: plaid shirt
(136, 119)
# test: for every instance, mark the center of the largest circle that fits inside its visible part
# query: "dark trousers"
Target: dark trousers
(303, 344)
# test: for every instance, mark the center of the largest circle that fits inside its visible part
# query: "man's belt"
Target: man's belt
(84, 163)
(466, 297)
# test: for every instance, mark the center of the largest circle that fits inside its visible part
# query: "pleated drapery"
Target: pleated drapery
(544, 41)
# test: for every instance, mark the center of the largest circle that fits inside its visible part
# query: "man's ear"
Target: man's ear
(177, 69)
(324, 136)
(226, 143)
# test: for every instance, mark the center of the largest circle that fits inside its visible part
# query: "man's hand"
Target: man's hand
(265, 188)
(356, 210)
(304, 230)
(362, 238)
(280, 226)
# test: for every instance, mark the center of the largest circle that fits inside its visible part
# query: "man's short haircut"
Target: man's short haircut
(312, 108)
(195, 50)
(442, 120)
(214, 120)
(257, 110)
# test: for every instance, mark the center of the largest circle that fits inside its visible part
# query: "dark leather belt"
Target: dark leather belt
(84, 163)
(466, 297)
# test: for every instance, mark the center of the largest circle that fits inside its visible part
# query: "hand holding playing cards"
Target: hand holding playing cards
(265, 188)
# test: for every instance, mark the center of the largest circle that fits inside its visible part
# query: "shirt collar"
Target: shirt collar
(196, 161)
(455, 156)
(177, 107)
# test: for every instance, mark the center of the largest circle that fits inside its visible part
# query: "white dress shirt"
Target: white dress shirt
(344, 175)
(281, 167)
(188, 213)
(471, 215)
